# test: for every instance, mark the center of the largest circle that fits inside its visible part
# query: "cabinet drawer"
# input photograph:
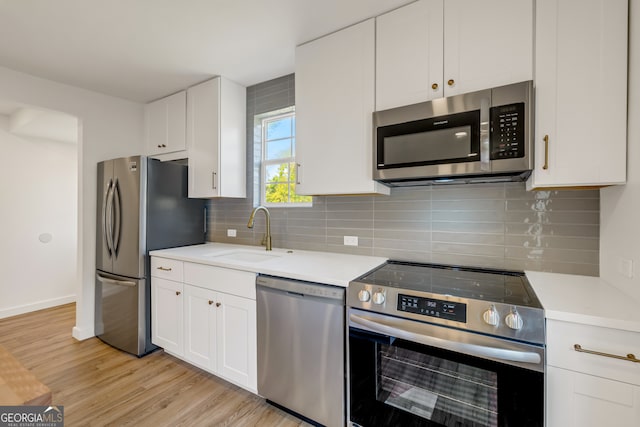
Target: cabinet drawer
(234, 282)
(562, 336)
(170, 269)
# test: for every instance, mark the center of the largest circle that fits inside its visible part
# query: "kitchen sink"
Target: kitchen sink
(246, 256)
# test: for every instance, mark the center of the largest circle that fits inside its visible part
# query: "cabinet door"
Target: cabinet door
(216, 139)
(203, 134)
(334, 106)
(581, 93)
(487, 43)
(200, 327)
(237, 340)
(165, 124)
(167, 322)
(576, 399)
(409, 43)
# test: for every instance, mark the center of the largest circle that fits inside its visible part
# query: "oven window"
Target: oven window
(442, 391)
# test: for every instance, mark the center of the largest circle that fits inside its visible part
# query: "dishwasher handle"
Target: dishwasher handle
(301, 289)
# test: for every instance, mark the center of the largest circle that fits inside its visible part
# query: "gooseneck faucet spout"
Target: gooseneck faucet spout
(267, 238)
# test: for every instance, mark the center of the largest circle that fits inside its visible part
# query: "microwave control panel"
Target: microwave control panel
(447, 310)
(507, 131)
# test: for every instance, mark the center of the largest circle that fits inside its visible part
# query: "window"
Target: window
(278, 170)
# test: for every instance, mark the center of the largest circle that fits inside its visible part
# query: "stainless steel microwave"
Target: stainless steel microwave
(483, 136)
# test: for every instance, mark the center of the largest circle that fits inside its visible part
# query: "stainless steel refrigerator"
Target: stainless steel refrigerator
(142, 206)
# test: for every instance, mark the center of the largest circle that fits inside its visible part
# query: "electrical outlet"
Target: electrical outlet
(351, 240)
(231, 232)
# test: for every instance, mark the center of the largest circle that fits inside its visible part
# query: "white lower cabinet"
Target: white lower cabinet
(200, 327)
(209, 320)
(577, 399)
(167, 319)
(591, 390)
(237, 340)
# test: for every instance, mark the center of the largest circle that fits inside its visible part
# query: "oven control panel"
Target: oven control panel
(441, 309)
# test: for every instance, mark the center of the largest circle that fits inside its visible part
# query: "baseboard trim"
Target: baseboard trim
(81, 334)
(35, 306)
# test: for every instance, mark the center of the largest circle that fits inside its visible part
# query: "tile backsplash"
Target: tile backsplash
(485, 225)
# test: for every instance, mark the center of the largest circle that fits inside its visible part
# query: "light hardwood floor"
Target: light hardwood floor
(99, 385)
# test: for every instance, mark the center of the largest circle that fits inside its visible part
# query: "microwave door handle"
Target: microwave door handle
(485, 149)
(456, 346)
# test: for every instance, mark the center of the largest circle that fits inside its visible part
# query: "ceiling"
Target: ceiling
(143, 50)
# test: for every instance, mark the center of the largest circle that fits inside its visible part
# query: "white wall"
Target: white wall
(38, 189)
(109, 127)
(620, 206)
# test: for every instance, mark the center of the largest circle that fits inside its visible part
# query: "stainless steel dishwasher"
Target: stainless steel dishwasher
(301, 333)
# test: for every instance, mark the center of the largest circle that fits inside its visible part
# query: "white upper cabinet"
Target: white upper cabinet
(409, 55)
(216, 139)
(487, 43)
(165, 124)
(334, 107)
(581, 93)
(435, 48)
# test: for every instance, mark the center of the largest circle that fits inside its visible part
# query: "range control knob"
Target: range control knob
(514, 320)
(491, 316)
(364, 295)
(378, 297)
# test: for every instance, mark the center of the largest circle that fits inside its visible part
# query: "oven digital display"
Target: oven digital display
(447, 310)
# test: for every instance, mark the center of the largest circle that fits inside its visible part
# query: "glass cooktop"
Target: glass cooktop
(498, 286)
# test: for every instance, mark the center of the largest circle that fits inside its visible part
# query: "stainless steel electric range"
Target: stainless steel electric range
(438, 345)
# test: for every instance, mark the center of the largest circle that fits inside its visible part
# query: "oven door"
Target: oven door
(408, 373)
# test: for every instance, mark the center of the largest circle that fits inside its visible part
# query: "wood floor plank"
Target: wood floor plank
(101, 386)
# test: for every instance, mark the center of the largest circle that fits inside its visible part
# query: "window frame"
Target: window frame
(264, 120)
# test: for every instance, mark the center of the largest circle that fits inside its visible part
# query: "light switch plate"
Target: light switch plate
(351, 240)
(231, 232)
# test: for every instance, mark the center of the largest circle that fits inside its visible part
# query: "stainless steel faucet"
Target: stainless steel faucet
(267, 238)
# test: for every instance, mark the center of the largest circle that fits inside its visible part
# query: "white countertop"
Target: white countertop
(586, 300)
(320, 267)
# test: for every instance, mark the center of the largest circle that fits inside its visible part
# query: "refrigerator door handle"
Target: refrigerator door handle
(117, 205)
(106, 217)
(127, 283)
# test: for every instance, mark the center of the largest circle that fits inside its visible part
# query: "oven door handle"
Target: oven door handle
(457, 346)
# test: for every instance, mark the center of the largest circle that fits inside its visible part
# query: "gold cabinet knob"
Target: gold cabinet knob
(218, 304)
(451, 82)
(178, 292)
(434, 86)
(210, 302)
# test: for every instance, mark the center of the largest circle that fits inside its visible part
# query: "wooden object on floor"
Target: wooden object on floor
(18, 386)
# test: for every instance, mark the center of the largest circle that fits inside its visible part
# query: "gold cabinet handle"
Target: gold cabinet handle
(434, 86)
(164, 269)
(629, 357)
(178, 292)
(210, 302)
(451, 82)
(218, 304)
(546, 152)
